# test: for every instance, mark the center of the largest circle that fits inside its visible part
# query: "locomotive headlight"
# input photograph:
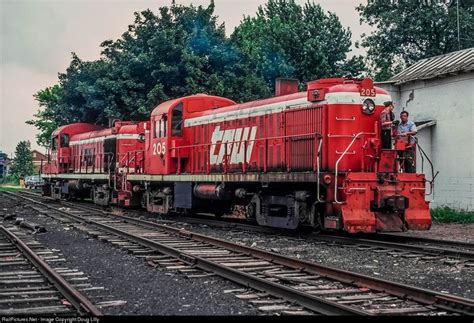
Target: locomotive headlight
(368, 106)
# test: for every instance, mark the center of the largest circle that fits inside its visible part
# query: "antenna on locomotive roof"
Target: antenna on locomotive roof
(347, 75)
(112, 122)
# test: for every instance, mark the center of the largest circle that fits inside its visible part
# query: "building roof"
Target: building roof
(38, 156)
(428, 68)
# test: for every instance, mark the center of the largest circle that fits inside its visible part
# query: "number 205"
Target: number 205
(367, 92)
(159, 148)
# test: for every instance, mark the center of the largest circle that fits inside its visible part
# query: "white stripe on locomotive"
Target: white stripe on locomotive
(350, 98)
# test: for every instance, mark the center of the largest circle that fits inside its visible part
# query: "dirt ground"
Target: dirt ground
(447, 231)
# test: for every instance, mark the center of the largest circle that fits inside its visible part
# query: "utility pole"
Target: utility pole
(457, 13)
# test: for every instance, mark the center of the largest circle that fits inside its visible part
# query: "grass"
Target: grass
(16, 188)
(448, 215)
(9, 188)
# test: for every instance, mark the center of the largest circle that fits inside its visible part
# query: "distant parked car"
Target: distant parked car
(33, 182)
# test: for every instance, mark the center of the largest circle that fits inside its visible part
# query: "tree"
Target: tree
(22, 164)
(50, 117)
(289, 40)
(407, 31)
(180, 51)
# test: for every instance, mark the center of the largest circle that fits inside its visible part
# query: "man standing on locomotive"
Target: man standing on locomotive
(405, 129)
(386, 120)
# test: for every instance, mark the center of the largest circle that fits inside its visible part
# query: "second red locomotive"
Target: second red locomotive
(311, 157)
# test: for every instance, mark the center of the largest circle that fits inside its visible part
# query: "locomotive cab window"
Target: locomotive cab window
(54, 143)
(177, 121)
(64, 140)
(160, 128)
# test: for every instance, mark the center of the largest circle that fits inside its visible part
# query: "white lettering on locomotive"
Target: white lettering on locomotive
(235, 140)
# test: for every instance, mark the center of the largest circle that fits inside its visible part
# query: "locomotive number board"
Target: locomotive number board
(367, 92)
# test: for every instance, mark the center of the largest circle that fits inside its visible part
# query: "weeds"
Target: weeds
(448, 215)
(116, 211)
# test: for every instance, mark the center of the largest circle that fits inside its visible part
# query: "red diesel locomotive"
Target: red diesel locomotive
(311, 158)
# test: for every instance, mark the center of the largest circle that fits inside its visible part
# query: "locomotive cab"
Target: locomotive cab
(169, 138)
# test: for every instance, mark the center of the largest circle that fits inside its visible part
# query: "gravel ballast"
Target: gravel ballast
(146, 290)
(436, 275)
(140, 289)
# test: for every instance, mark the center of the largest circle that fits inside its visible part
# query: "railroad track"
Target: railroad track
(30, 286)
(448, 251)
(405, 246)
(283, 284)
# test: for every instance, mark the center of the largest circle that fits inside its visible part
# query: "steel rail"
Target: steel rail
(388, 241)
(79, 301)
(396, 237)
(429, 250)
(365, 240)
(388, 237)
(426, 297)
(317, 304)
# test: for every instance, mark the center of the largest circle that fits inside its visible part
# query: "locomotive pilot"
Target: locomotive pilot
(386, 120)
(406, 130)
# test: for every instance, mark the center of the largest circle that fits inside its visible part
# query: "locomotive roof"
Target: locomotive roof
(118, 129)
(165, 106)
(75, 128)
(330, 84)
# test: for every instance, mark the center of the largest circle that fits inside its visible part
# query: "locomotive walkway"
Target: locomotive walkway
(30, 286)
(278, 283)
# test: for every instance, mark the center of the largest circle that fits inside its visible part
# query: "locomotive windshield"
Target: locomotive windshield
(54, 143)
(177, 121)
(64, 140)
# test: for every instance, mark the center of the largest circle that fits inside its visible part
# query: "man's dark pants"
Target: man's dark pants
(409, 160)
(386, 138)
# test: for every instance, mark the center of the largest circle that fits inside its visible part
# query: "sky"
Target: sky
(38, 36)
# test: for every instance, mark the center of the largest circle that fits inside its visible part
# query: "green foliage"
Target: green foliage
(407, 31)
(182, 50)
(289, 40)
(22, 164)
(448, 215)
(50, 117)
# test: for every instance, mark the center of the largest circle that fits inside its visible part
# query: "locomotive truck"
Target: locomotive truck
(298, 158)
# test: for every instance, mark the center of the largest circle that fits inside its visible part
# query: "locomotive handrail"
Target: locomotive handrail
(433, 175)
(132, 156)
(231, 142)
(246, 143)
(340, 158)
(318, 171)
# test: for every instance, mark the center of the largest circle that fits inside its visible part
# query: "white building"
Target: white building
(438, 92)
